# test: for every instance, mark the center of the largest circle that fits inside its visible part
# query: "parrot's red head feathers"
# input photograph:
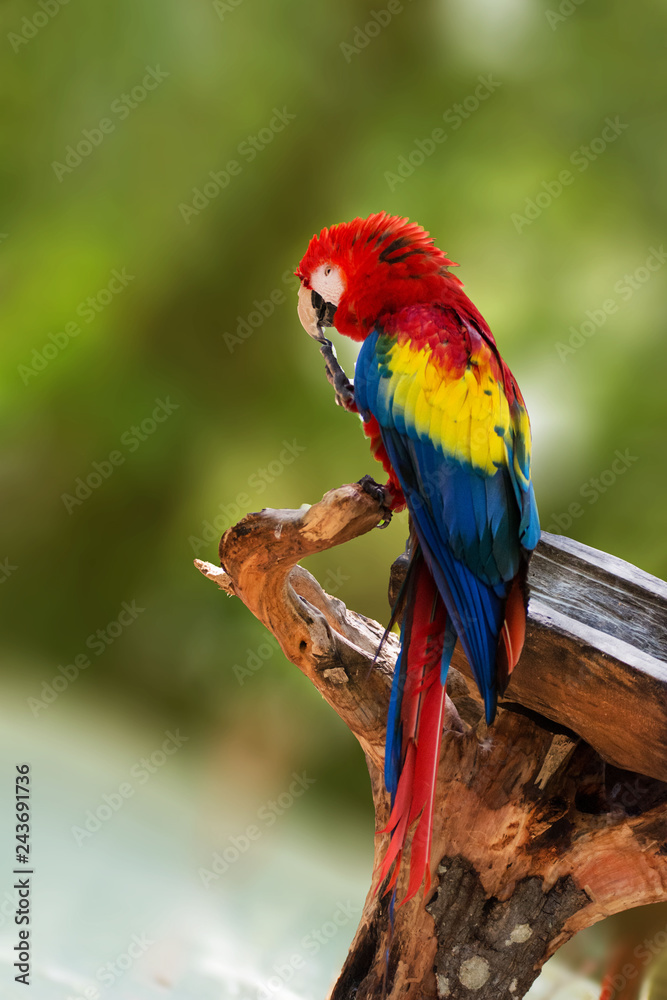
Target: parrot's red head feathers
(366, 267)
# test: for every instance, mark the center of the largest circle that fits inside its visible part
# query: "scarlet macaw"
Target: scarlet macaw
(447, 420)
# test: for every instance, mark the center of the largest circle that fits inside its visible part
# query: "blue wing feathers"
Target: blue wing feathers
(472, 528)
(529, 528)
(475, 608)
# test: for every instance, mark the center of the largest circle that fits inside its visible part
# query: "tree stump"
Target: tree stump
(551, 819)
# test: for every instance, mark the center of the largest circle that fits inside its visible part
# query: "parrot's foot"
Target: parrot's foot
(345, 395)
(378, 493)
(343, 388)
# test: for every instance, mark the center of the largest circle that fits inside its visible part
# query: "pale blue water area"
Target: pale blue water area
(280, 918)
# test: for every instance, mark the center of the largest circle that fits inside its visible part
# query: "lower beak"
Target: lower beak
(314, 313)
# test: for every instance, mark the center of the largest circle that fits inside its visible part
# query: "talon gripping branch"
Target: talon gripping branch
(447, 420)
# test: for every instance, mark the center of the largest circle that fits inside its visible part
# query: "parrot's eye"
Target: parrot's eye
(328, 281)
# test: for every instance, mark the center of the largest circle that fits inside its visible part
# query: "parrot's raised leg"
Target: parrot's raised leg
(343, 388)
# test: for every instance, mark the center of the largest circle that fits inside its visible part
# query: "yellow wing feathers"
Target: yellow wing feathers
(465, 413)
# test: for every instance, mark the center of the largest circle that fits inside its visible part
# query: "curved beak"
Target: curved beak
(315, 313)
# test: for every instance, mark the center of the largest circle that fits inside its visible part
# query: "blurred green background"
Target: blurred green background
(150, 341)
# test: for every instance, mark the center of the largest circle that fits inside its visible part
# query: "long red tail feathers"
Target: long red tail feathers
(420, 707)
(421, 713)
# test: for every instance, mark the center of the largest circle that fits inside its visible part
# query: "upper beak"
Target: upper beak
(314, 313)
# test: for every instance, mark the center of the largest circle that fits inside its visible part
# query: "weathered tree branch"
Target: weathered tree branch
(550, 820)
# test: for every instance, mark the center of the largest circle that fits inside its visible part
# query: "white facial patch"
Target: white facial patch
(328, 282)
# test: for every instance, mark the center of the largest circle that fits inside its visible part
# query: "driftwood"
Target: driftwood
(548, 821)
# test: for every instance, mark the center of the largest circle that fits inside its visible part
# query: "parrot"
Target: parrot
(447, 421)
